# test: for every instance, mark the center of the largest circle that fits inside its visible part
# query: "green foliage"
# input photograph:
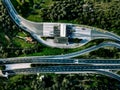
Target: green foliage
(10, 44)
(2, 67)
(59, 82)
(99, 13)
(103, 15)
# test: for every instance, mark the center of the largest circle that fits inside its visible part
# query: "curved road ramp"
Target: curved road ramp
(59, 35)
(63, 35)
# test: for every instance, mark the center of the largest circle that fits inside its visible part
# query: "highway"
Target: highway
(60, 61)
(61, 70)
(33, 29)
(76, 67)
(54, 69)
(25, 68)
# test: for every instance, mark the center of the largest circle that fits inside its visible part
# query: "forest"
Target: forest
(104, 14)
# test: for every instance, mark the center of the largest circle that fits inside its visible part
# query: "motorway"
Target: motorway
(61, 70)
(75, 67)
(101, 67)
(67, 68)
(60, 61)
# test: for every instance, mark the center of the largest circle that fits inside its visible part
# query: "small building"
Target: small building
(63, 30)
(54, 30)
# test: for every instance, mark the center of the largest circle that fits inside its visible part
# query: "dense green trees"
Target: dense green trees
(99, 13)
(59, 82)
(10, 45)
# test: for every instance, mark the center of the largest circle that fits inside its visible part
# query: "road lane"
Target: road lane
(60, 61)
(61, 70)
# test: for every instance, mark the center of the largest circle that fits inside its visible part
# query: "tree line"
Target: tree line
(100, 13)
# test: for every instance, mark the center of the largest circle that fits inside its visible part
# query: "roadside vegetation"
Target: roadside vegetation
(103, 14)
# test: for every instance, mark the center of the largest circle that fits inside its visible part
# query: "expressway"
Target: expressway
(68, 68)
(33, 29)
(72, 67)
(64, 70)
(101, 66)
(60, 61)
